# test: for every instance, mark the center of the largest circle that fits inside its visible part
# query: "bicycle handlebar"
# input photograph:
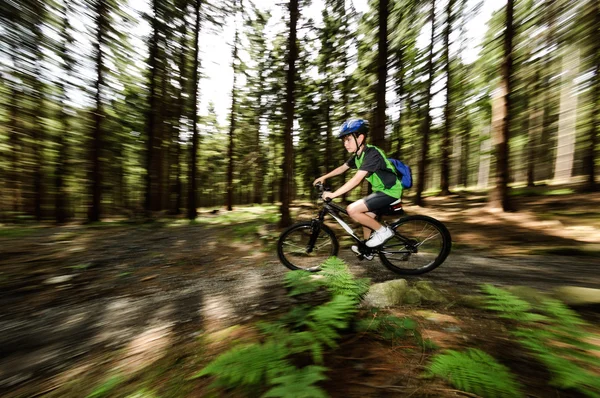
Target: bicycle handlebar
(322, 188)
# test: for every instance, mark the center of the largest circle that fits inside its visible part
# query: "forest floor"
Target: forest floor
(118, 308)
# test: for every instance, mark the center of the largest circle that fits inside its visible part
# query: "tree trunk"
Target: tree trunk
(181, 114)
(426, 120)
(151, 114)
(591, 151)
(289, 117)
(192, 212)
(232, 126)
(14, 176)
(378, 130)
(501, 124)
(61, 199)
(567, 122)
(446, 143)
(483, 175)
(96, 139)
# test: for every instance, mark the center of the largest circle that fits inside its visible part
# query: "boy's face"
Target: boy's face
(351, 144)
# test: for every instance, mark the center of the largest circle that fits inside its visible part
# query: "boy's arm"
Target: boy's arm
(336, 172)
(348, 186)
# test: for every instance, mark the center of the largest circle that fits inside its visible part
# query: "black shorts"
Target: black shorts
(379, 201)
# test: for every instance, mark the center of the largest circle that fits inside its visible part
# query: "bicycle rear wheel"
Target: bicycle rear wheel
(296, 252)
(420, 245)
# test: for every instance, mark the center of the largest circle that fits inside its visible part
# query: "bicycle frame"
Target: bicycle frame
(333, 210)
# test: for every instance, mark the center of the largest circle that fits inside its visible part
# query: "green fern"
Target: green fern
(556, 338)
(508, 305)
(325, 320)
(300, 282)
(248, 364)
(339, 280)
(477, 372)
(389, 327)
(562, 362)
(299, 384)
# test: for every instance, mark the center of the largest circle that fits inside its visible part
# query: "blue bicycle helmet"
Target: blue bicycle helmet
(354, 126)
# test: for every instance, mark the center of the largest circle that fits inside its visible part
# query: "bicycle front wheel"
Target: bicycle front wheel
(420, 244)
(306, 246)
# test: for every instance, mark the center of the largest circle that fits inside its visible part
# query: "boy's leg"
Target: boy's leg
(362, 211)
(359, 212)
(367, 231)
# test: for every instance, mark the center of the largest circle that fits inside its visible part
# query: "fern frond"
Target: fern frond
(477, 372)
(564, 316)
(247, 364)
(306, 341)
(325, 320)
(566, 373)
(340, 281)
(300, 383)
(508, 305)
(300, 282)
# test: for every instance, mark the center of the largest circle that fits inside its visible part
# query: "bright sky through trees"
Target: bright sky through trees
(215, 86)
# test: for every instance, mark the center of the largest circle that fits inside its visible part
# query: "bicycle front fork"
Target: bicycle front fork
(315, 227)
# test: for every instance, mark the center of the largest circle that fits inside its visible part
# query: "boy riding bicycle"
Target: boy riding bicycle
(373, 165)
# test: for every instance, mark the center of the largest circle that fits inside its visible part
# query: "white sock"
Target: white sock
(382, 229)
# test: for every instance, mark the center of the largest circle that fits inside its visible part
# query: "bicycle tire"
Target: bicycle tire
(430, 245)
(296, 239)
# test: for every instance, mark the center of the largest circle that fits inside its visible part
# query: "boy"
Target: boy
(373, 165)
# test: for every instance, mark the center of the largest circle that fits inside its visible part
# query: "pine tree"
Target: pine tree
(286, 182)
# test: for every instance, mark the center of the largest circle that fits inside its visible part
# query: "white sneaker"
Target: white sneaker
(379, 238)
(356, 250)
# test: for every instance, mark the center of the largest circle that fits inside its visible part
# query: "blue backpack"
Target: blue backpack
(403, 172)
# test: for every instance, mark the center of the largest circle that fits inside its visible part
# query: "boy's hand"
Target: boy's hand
(319, 180)
(327, 195)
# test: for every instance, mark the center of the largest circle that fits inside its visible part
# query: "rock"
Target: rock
(413, 296)
(578, 296)
(472, 301)
(429, 293)
(386, 294)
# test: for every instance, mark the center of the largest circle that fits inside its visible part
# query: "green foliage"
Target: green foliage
(477, 372)
(248, 364)
(104, 389)
(508, 305)
(324, 321)
(389, 327)
(300, 282)
(299, 384)
(556, 337)
(143, 393)
(340, 281)
(305, 329)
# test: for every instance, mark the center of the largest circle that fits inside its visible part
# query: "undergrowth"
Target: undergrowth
(551, 332)
(289, 359)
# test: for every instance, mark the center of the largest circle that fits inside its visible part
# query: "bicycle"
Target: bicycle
(419, 245)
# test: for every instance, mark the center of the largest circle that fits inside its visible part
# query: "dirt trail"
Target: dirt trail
(70, 293)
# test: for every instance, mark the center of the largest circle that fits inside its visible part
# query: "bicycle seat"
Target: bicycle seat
(394, 209)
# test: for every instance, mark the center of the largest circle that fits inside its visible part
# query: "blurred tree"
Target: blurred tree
(235, 61)
(61, 172)
(425, 128)
(192, 212)
(592, 141)
(152, 120)
(257, 95)
(501, 122)
(379, 119)
(102, 27)
(292, 55)
(448, 106)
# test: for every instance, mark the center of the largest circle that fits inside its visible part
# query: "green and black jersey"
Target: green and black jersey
(381, 172)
